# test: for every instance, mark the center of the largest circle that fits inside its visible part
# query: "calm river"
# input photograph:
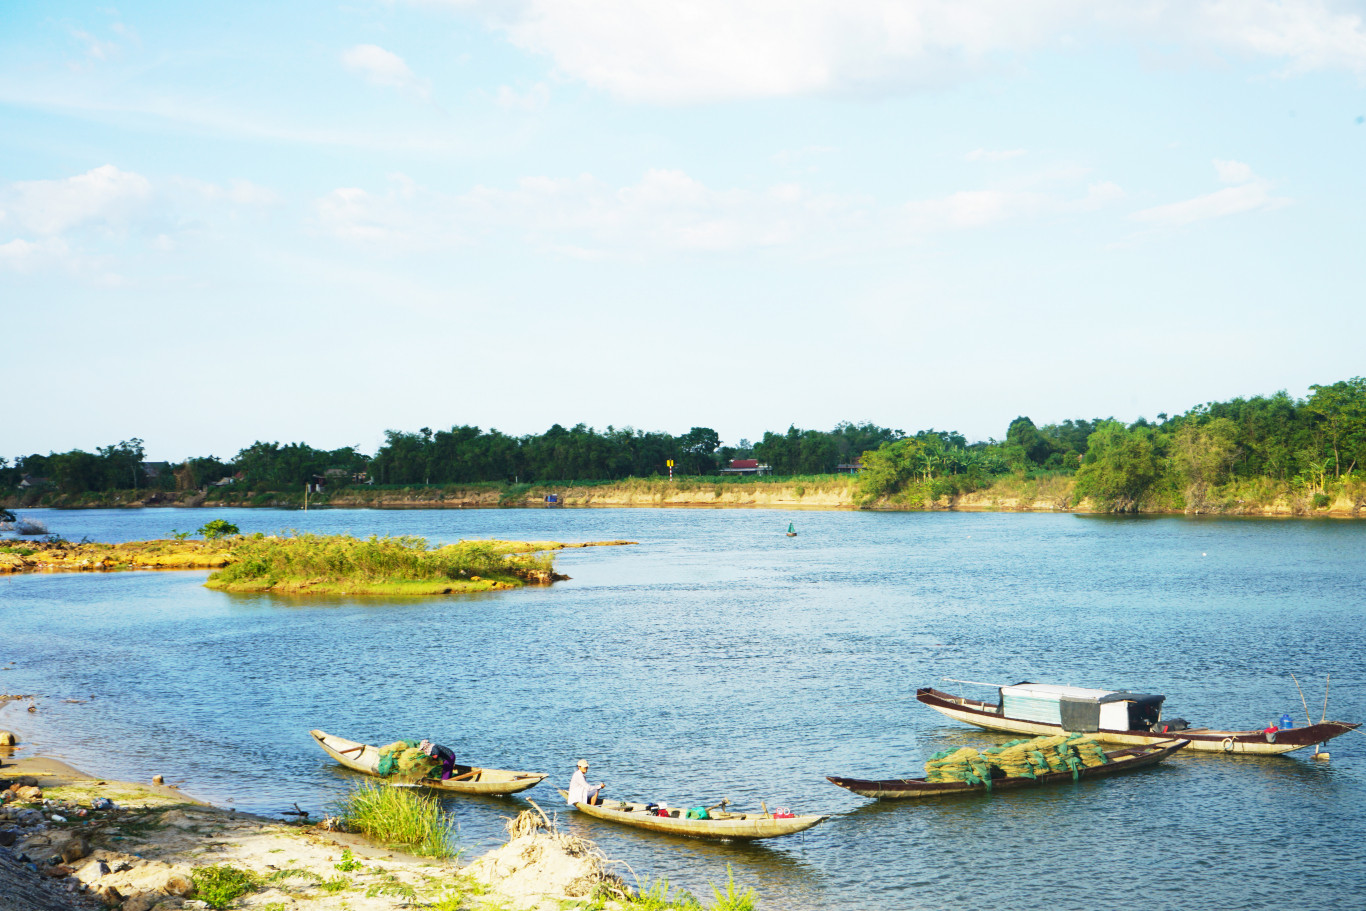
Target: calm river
(720, 658)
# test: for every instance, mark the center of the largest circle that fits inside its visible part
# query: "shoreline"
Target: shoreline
(1052, 495)
(143, 854)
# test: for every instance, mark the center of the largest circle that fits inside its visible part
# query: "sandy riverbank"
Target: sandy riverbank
(63, 848)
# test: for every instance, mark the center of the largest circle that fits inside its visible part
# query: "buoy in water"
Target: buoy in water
(791, 530)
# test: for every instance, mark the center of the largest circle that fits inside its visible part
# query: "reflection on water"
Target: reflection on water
(721, 659)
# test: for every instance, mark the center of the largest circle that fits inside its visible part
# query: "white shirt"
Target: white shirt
(579, 791)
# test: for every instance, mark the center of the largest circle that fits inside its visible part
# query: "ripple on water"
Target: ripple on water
(722, 659)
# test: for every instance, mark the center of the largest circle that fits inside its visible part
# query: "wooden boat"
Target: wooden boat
(736, 826)
(1134, 719)
(362, 757)
(1125, 760)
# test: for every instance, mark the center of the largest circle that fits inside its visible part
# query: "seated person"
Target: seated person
(579, 791)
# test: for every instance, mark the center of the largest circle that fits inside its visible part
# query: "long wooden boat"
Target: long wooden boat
(1121, 761)
(736, 826)
(362, 757)
(1134, 719)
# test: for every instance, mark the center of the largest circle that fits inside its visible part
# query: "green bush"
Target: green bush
(218, 528)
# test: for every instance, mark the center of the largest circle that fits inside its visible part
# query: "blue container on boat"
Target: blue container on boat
(1286, 723)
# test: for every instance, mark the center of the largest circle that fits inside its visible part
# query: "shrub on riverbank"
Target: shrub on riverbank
(399, 817)
(378, 565)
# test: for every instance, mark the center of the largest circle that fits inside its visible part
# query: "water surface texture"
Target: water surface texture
(720, 658)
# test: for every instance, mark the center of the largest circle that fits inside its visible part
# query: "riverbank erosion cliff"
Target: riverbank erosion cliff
(1042, 492)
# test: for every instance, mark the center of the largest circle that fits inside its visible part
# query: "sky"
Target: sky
(317, 221)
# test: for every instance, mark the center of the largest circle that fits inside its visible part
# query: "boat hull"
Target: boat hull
(362, 757)
(916, 788)
(738, 827)
(1256, 743)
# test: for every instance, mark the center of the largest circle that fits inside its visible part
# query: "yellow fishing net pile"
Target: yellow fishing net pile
(402, 759)
(1017, 759)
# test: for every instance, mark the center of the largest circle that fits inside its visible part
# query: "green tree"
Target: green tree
(1035, 445)
(218, 528)
(1121, 465)
(1342, 409)
(1203, 454)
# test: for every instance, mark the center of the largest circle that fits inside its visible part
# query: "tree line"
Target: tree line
(1247, 447)
(1308, 444)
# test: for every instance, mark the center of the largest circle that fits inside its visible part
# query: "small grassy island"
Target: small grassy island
(314, 564)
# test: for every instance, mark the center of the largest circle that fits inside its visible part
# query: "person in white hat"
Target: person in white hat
(579, 791)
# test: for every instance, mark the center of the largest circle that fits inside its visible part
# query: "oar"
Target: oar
(355, 749)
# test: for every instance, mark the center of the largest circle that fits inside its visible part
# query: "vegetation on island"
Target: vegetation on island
(311, 564)
(1240, 455)
(341, 564)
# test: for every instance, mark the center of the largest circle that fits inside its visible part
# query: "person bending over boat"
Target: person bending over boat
(444, 756)
(579, 791)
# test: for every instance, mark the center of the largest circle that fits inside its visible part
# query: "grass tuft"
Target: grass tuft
(733, 899)
(219, 884)
(400, 817)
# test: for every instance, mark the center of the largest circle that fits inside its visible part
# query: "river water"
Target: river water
(720, 658)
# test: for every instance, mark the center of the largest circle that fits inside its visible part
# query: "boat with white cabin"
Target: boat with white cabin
(1115, 716)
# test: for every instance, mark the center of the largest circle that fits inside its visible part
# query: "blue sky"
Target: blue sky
(315, 221)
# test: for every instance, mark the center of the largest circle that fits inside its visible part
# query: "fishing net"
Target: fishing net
(1025, 758)
(403, 759)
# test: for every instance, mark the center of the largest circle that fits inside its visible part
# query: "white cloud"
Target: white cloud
(982, 208)
(104, 194)
(665, 210)
(25, 255)
(719, 49)
(238, 192)
(532, 99)
(385, 68)
(1248, 193)
(86, 222)
(993, 154)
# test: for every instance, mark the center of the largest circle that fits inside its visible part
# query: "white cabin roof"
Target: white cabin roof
(1051, 691)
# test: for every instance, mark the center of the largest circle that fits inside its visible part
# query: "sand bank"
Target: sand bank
(72, 842)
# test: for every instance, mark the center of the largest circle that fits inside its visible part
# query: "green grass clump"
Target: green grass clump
(262, 562)
(219, 884)
(348, 861)
(732, 899)
(657, 897)
(400, 817)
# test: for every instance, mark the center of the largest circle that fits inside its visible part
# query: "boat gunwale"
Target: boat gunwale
(1139, 757)
(490, 782)
(747, 827)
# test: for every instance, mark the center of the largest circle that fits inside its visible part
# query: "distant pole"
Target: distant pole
(671, 469)
(305, 496)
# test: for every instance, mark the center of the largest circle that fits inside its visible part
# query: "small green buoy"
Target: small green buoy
(791, 530)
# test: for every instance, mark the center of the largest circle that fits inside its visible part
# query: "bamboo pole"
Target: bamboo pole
(1307, 717)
